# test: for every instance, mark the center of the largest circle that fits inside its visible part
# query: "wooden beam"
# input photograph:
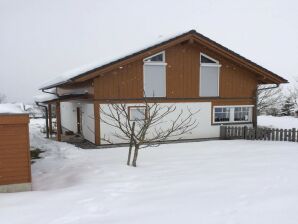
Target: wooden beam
(255, 110)
(97, 123)
(50, 119)
(239, 60)
(58, 120)
(188, 38)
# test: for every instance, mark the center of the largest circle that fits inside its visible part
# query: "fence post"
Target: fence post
(293, 134)
(222, 132)
(285, 135)
(244, 132)
(290, 135)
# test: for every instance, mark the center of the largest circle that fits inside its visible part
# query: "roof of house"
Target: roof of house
(154, 43)
(48, 98)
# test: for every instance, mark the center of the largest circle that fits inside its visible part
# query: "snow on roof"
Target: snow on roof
(113, 52)
(10, 108)
(44, 97)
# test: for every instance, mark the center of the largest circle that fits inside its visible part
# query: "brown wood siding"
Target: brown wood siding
(15, 165)
(182, 71)
(182, 76)
(124, 82)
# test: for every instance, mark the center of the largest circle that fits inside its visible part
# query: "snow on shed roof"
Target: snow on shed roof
(10, 108)
(113, 52)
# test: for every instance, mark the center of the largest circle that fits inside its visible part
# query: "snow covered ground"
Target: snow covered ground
(286, 122)
(205, 182)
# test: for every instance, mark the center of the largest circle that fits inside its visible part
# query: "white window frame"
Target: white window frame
(157, 63)
(209, 65)
(137, 108)
(232, 110)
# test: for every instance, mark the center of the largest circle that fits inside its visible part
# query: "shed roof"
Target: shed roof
(10, 108)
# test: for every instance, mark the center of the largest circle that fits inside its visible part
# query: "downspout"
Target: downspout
(256, 103)
(47, 120)
(46, 109)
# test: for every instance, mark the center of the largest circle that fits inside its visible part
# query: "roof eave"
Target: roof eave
(192, 34)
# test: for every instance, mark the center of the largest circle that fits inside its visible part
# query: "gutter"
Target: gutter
(51, 92)
(272, 87)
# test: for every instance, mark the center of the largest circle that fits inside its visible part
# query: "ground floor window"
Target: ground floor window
(222, 114)
(241, 113)
(137, 113)
(232, 114)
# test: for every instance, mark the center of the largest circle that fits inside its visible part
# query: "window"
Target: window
(209, 76)
(155, 75)
(137, 113)
(234, 114)
(241, 114)
(155, 58)
(222, 114)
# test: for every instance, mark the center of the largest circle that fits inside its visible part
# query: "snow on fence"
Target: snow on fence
(267, 134)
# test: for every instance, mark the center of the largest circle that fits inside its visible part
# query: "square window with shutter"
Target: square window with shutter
(137, 113)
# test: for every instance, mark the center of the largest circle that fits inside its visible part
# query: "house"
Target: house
(188, 70)
(15, 162)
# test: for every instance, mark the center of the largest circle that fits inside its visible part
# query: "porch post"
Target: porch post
(58, 120)
(50, 119)
(97, 123)
(255, 109)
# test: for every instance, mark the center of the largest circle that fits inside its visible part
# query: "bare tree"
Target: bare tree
(269, 99)
(2, 98)
(152, 127)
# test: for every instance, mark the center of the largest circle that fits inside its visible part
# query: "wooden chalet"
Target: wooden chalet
(189, 70)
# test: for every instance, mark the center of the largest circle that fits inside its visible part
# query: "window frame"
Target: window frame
(216, 64)
(232, 113)
(163, 62)
(155, 63)
(135, 107)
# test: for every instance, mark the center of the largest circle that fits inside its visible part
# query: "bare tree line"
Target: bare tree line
(278, 101)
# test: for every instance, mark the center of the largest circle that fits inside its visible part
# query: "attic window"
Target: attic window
(159, 57)
(205, 59)
(209, 76)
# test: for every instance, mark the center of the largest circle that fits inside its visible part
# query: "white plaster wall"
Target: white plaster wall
(88, 127)
(203, 130)
(69, 115)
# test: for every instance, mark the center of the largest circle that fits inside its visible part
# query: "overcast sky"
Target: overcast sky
(40, 39)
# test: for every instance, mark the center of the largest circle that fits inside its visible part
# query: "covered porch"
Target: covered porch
(70, 118)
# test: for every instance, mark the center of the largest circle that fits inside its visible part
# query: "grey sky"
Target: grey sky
(41, 39)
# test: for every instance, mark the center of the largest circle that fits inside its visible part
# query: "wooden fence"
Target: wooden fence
(267, 134)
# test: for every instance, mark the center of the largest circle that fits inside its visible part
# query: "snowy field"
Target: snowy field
(223, 182)
(286, 122)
